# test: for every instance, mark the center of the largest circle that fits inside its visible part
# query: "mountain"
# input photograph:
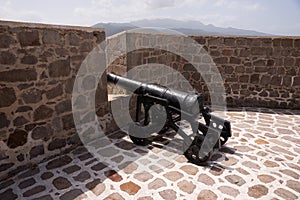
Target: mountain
(186, 27)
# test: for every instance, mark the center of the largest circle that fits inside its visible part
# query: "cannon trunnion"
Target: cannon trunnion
(160, 102)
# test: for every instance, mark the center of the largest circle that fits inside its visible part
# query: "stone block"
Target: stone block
(297, 43)
(36, 151)
(42, 112)
(234, 60)
(87, 46)
(54, 92)
(18, 75)
(265, 80)
(287, 81)
(52, 37)
(258, 51)
(5, 166)
(254, 79)
(29, 38)
(56, 144)
(89, 83)
(29, 59)
(73, 39)
(244, 53)
(8, 97)
(68, 122)
(17, 138)
(7, 58)
(32, 96)
(276, 80)
(296, 81)
(60, 68)
(4, 121)
(41, 132)
(244, 78)
(287, 42)
(221, 60)
(19, 121)
(215, 41)
(64, 106)
(229, 41)
(6, 41)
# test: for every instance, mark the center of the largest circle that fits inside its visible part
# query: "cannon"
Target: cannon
(175, 106)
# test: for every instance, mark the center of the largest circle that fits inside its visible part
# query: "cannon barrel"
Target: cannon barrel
(188, 102)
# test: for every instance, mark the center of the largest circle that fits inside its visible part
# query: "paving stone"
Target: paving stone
(145, 198)
(235, 179)
(6, 183)
(229, 190)
(45, 197)
(285, 194)
(143, 176)
(59, 162)
(61, 183)
(8, 195)
(29, 173)
(91, 161)
(35, 190)
(216, 170)
(173, 175)
(207, 180)
(230, 161)
(85, 156)
(251, 165)
(156, 169)
(168, 194)
(98, 167)
(189, 169)
(269, 163)
(113, 175)
(77, 194)
(266, 178)
(156, 184)
(125, 145)
(257, 191)
(27, 183)
(294, 185)
(71, 169)
(290, 173)
(129, 167)
(82, 176)
(96, 187)
(186, 186)
(130, 187)
(47, 175)
(207, 195)
(118, 159)
(114, 196)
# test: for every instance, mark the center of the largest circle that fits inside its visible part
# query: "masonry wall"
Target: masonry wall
(256, 71)
(38, 65)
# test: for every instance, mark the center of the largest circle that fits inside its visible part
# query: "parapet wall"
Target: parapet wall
(256, 71)
(38, 66)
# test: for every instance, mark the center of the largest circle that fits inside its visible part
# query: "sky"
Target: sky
(281, 17)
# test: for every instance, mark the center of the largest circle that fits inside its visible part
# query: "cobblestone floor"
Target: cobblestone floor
(261, 161)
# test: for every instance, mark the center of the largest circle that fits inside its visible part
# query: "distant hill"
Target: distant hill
(186, 27)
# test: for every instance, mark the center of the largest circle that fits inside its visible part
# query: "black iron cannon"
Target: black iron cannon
(175, 106)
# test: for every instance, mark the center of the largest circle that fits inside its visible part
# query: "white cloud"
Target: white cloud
(155, 4)
(234, 4)
(9, 12)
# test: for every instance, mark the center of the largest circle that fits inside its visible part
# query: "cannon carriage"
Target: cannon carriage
(162, 103)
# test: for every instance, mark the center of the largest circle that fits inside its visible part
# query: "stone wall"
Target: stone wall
(38, 65)
(257, 71)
